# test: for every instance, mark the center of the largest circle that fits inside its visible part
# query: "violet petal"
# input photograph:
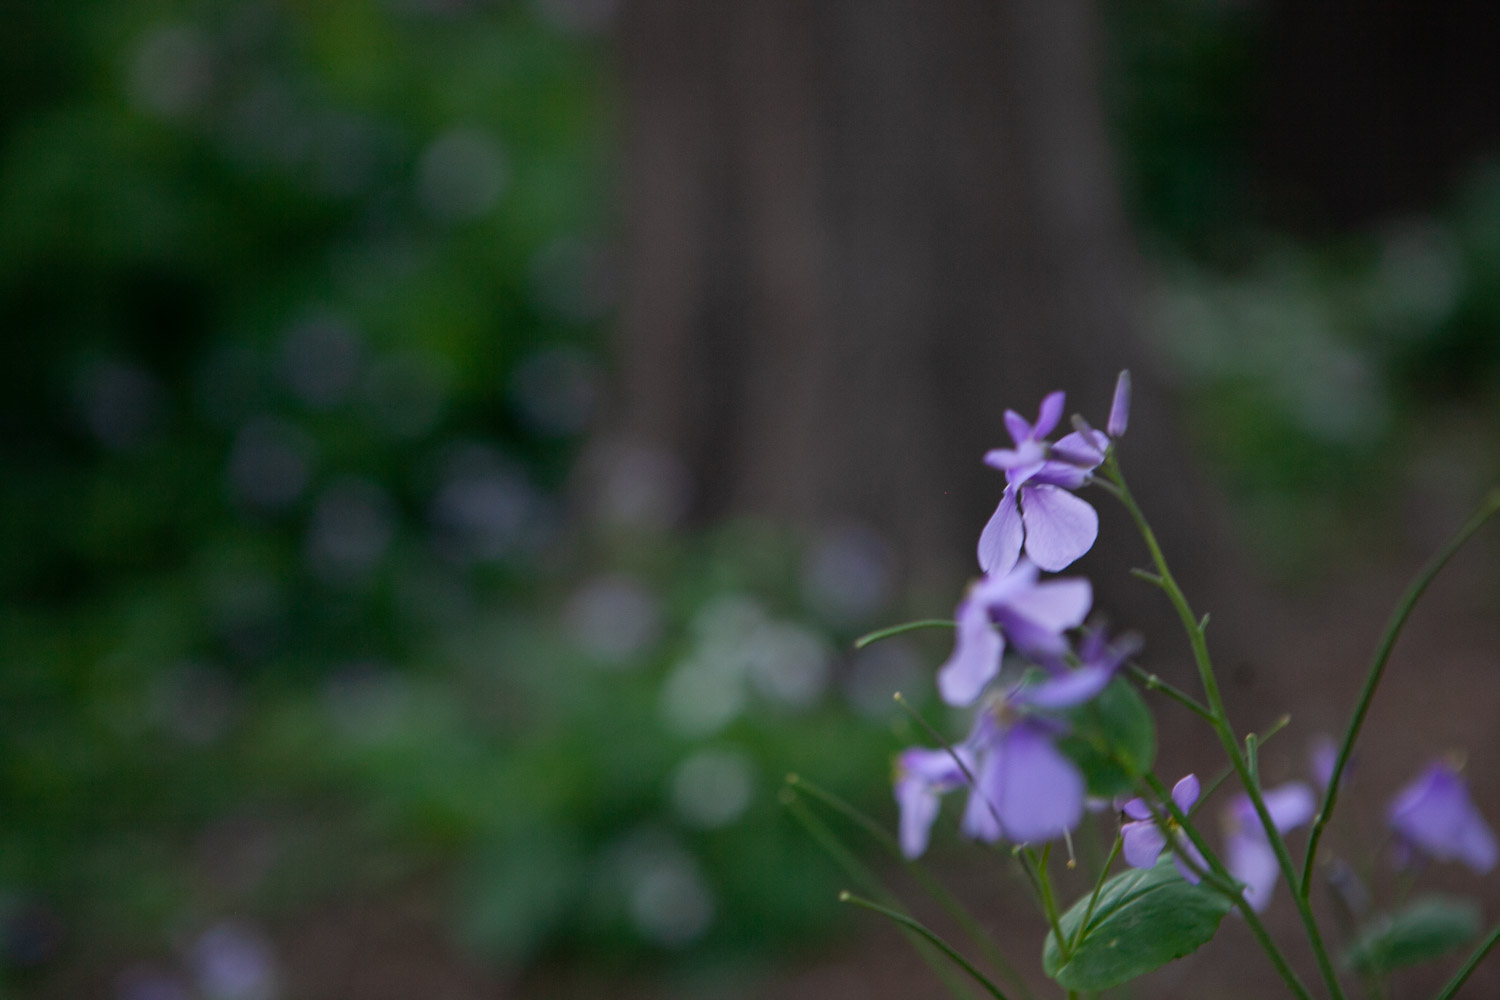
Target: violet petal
(975, 660)
(1000, 541)
(1040, 791)
(1143, 842)
(1185, 793)
(1059, 527)
(1049, 414)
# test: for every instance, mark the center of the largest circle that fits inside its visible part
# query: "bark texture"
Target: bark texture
(856, 231)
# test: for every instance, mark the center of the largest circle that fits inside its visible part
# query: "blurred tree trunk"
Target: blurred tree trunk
(858, 230)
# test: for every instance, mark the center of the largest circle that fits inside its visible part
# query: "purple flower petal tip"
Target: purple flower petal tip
(1185, 792)
(1049, 414)
(1119, 407)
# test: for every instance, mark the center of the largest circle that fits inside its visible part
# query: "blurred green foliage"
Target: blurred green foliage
(301, 307)
(1337, 383)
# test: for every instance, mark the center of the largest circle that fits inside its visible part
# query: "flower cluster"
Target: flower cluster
(1022, 788)
(1052, 725)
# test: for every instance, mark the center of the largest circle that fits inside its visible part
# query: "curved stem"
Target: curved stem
(856, 870)
(886, 633)
(1193, 626)
(1459, 977)
(1151, 682)
(1043, 882)
(937, 942)
(939, 893)
(1393, 629)
(1221, 881)
(1088, 913)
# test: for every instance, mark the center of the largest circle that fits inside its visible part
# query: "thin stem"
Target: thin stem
(937, 942)
(949, 903)
(866, 879)
(1193, 626)
(1393, 629)
(1088, 912)
(1219, 879)
(964, 768)
(886, 633)
(1043, 883)
(1459, 977)
(1151, 682)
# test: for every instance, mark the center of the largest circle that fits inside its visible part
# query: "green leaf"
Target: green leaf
(1427, 929)
(1113, 740)
(1144, 919)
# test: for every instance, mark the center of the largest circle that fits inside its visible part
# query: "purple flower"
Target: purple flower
(1247, 853)
(1032, 615)
(1144, 839)
(922, 777)
(1025, 790)
(1435, 816)
(1037, 510)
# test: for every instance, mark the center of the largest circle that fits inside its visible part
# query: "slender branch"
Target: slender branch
(937, 737)
(869, 881)
(949, 903)
(1193, 626)
(1043, 883)
(1219, 879)
(886, 633)
(1088, 912)
(939, 943)
(1393, 629)
(1151, 682)
(1459, 977)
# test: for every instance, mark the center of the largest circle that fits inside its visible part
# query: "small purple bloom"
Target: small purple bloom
(1144, 840)
(1037, 512)
(1435, 816)
(1015, 606)
(1119, 407)
(1025, 790)
(1247, 853)
(922, 777)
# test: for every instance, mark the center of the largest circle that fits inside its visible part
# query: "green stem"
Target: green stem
(937, 737)
(886, 633)
(1151, 682)
(1043, 883)
(1088, 912)
(867, 880)
(1459, 977)
(949, 903)
(1219, 879)
(1393, 629)
(937, 942)
(1193, 626)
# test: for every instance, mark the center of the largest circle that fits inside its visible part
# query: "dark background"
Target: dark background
(448, 448)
